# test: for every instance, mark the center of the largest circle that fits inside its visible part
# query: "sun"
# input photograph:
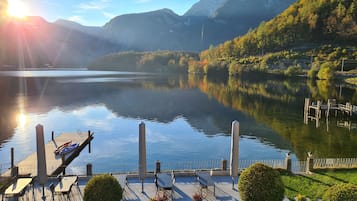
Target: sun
(21, 119)
(17, 8)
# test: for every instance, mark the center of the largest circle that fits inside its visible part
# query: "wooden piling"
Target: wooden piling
(12, 157)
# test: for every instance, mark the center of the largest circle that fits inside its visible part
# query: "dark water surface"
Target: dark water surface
(187, 119)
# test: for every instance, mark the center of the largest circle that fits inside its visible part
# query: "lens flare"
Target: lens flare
(17, 8)
(21, 120)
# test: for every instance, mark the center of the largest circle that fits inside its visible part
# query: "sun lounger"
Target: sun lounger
(205, 180)
(65, 184)
(18, 188)
(164, 181)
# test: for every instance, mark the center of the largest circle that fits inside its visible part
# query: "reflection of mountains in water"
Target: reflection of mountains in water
(144, 101)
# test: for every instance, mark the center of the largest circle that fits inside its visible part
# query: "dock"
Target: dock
(313, 110)
(55, 163)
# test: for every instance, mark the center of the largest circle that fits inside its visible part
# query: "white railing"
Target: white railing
(278, 163)
(191, 165)
(323, 163)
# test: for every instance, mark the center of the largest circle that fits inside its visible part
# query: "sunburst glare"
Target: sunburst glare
(17, 8)
(21, 120)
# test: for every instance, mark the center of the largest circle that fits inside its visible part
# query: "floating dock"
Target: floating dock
(55, 163)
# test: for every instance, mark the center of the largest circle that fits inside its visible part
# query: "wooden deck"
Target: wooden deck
(55, 163)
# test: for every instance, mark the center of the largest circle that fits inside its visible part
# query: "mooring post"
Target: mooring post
(89, 143)
(318, 108)
(306, 110)
(224, 164)
(158, 166)
(288, 162)
(12, 157)
(89, 169)
(328, 107)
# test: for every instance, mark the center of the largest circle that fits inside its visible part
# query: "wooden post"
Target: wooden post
(349, 108)
(53, 136)
(12, 157)
(89, 169)
(288, 162)
(158, 167)
(342, 65)
(15, 171)
(318, 110)
(89, 144)
(306, 110)
(224, 164)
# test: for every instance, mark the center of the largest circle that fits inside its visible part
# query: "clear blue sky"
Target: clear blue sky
(98, 12)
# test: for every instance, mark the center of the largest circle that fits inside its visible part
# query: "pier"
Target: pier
(55, 163)
(314, 110)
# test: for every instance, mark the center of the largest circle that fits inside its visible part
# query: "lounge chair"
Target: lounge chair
(165, 182)
(205, 180)
(18, 188)
(65, 184)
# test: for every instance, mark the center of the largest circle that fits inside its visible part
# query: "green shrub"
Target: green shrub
(326, 72)
(341, 192)
(103, 188)
(260, 182)
(312, 73)
(293, 70)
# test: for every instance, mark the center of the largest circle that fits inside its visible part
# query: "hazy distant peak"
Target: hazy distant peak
(64, 22)
(205, 8)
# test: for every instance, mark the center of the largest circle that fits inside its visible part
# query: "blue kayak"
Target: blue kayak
(69, 149)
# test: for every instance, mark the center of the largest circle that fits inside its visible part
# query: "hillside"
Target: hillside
(161, 61)
(303, 29)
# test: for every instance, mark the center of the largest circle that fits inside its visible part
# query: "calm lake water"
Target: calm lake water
(187, 118)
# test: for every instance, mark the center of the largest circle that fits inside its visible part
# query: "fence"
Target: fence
(191, 165)
(296, 166)
(335, 163)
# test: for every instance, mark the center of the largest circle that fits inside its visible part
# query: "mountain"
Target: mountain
(208, 22)
(256, 9)
(69, 44)
(205, 8)
(304, 25)
(35, 42)
(90, 30)
(161, 29)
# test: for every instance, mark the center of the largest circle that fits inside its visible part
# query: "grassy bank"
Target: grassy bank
(351, 80)
(314, 185)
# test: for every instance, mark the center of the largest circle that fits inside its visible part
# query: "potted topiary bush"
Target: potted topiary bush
(103, 188)
(341, 192)
(260, 182)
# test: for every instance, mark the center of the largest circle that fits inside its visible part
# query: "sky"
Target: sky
(98, 12)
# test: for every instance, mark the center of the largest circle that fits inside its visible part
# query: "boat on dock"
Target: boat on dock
(55, 164)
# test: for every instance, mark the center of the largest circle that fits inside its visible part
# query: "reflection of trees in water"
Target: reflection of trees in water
(279, 105)
(8, 110)
(324, 90)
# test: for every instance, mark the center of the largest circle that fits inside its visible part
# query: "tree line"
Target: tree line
(291, 40)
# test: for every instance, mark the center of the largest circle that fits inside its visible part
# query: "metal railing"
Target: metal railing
(296, 166)
(323, 163)
(191, 165)
(278, 163)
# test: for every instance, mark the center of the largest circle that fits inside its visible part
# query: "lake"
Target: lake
(188, 119)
